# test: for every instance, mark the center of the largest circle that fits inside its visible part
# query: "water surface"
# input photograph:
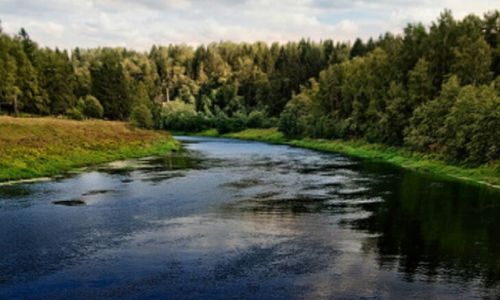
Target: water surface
(236, 219)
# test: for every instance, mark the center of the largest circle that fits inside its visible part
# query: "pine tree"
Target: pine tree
(109, 85)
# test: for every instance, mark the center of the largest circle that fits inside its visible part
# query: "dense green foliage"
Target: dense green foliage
(141, 117)
(433, 89)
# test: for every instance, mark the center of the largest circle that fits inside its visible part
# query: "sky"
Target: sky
(140, 24)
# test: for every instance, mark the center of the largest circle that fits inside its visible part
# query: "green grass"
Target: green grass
(209, 132)
(486, 174)
(38, 147)
(271, 135)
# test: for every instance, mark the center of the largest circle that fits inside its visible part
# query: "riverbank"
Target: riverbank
(40, 147)
(485, 175)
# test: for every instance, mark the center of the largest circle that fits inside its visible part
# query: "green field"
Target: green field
(36, 147)
(486, 174)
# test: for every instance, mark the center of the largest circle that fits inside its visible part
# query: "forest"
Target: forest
(433, 88)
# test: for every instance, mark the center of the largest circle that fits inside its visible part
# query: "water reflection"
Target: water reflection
(445, 229)
(233, 219)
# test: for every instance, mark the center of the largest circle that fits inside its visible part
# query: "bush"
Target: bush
(238, 122)
(256, 119)
(293, 119)
(92, 107)
(321, 127)
(177, 115)
(75, 114)
(141, 117)
(221, 123)
(80, 105)
(270, 122)
(225, 124)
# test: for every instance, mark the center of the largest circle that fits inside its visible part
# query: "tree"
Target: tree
(9, 90)
(414, 45)
(394, 119)
(443, 36)
(292, 120)
(109, 85)
(472, 126)
(492, 36)
(56, 78)
(420, 87)
(31, 98)
(426, 130)
(472, 61)
(29, 46)
(330, 90)
(358, 48)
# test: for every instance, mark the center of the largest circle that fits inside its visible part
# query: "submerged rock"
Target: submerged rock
(97, 192)
(73, 202)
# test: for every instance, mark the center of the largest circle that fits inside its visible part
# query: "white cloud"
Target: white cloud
(139, 24)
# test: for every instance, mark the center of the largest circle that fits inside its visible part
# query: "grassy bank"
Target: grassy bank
(486, 174)
(36, 147)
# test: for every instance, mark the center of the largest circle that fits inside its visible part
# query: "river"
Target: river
(246, 220)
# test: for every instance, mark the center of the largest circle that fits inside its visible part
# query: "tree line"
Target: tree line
(220, 78)
(433, 89)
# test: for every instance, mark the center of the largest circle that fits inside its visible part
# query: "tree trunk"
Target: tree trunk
(16, 111)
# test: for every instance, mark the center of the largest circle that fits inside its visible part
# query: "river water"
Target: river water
(247, 220)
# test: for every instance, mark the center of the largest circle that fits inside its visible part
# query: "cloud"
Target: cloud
(139, 24)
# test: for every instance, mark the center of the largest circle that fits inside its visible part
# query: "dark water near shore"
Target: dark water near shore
(234, 219)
